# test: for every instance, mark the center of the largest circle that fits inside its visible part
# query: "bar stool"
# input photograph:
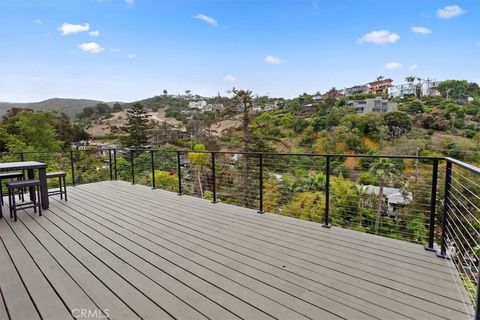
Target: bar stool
(61, 181)
(11, 175)
(36, 201)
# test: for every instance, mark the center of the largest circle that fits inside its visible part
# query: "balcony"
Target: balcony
(129, 250)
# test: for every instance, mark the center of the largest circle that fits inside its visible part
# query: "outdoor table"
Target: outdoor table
(30, 167)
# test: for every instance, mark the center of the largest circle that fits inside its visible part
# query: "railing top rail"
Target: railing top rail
(298, 154)
(464, 165)
(390, 156)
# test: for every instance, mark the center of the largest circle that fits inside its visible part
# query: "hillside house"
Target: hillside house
(373, 105)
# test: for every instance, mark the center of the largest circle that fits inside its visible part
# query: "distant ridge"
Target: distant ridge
(71, 107)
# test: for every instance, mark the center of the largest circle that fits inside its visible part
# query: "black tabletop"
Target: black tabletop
(23, 165)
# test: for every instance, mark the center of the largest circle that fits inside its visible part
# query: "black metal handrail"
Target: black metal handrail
(456, 229)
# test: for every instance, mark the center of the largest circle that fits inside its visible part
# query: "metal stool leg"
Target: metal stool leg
(65, 188)
(39, 201)
(60, 185)
(10, 207)
(14, 205)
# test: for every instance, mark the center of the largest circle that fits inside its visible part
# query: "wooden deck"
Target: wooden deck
(119, 251)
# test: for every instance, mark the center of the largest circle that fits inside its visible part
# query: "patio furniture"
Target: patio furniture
(62, 184)
(10, 176)
(35, 200)
(31, 167)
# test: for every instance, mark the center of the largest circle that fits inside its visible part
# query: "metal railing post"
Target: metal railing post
(448, 180)
(433, 207)
(260, 177)
(214, 179)
(110, 163)
(179, 174)
(152, 158)
(72, 167)
(477, 306)
(115, 160)
(132, 164)
(22, 156)
(326, 223)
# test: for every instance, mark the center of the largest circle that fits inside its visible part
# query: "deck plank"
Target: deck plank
(14, 293)
(3, 307)
(90, 283)
(321, 247)
(355, 241)
(272, 301)
(434, 307)
(143, 306)
(67, 288)
(369, 276)
(292, 287)
(149, 254)
(177, 307)
(47, 302)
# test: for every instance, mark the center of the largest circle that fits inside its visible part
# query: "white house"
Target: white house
(394, 197)
(427, 88)
(197, 105)
(401, 90)
(430, 87)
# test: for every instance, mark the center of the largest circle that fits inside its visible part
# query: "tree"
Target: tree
(137, 127)
(384, 170)
(433, 119)
(453, 89)
(398, 123)
(410, 79)
(199, 160)
(165, 92)
(245, 99)
(35, 131)
(380, 77)
(413, 107)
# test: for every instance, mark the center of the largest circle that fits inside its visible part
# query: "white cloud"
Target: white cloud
(95, 33)
(130, 2)
(421, 30)
(68, 28)
(91, 47)
(273, 60)
(207, 19)
(131, 56)
(230, 78)
(38, 21)
(380, 37)
(450, 12)
(393, 66)
(413, 67)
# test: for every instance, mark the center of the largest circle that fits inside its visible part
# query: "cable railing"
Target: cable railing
(427, 200)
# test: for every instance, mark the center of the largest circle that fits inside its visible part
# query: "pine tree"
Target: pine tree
(137, 127)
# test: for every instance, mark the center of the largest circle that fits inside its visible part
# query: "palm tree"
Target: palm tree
(380, 78)
(410, 79)
(385, 171)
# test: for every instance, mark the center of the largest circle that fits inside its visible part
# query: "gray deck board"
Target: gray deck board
(14, 293)
(150, 254)
(47, 302)
(3, 308)
(435, 304)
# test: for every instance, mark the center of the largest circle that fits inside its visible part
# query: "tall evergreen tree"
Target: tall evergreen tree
(137, 127)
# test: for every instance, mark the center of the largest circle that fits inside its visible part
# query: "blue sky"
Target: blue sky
(123, 50)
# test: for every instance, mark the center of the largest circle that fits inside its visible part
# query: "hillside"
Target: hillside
(69, 106)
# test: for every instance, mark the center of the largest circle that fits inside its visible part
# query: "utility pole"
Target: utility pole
(416, 164)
